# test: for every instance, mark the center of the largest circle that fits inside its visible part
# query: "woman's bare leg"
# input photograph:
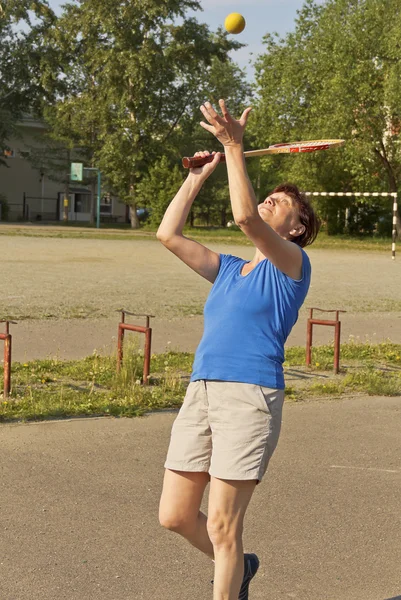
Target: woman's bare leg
(179, 507)
(228, 501)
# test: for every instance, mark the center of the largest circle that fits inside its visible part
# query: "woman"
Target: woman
(229, 423)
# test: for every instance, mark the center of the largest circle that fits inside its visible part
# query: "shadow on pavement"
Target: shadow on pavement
(298, 374)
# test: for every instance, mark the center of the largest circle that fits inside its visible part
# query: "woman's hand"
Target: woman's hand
(207, 169)
(227, 130)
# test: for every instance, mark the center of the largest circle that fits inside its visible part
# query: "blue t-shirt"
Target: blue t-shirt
(247, 320)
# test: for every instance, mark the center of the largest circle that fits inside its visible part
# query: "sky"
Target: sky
(261, 16)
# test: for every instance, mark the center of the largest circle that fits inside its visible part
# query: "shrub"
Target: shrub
(4, 208)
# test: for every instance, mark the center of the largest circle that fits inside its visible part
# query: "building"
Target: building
(33, 196)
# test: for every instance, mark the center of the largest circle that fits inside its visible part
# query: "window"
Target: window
(106, 205)
(82, 203)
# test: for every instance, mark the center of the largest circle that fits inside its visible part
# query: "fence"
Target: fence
(41, 209)
(15, 212)
(33, 208)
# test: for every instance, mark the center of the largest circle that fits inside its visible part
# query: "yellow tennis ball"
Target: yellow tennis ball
(234, 23)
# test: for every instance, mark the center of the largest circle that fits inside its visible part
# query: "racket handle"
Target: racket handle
(191, 162)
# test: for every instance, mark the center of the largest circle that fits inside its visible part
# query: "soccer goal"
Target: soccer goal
(374, 195)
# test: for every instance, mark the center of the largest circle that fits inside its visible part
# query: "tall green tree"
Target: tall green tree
(336, 75)
(123, 74)
(19, 91)
(225, 80)
(212, 206)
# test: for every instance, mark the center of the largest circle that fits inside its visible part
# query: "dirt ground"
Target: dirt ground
(64, 293)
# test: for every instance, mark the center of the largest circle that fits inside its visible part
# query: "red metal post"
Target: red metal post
(146, 364)
(309, 332)
(148, 341)
(337, 332)
(120, 347)
(7, 338)
(7, 366)
(120, 342)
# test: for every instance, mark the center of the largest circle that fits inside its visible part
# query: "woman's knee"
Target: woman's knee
(181, 499)
(223, 531)
(176, 521)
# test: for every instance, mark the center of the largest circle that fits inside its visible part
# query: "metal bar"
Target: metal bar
(323, 322)
(126, 312)
(394, 232)
(7, 338)
(350, 194)
(328, 311)
(138, 328)
(99, 190)
(309, 333)
(122, 327)
(7, 366)
(120, 347)
(337, 333)
(146, 362)
(337, 348)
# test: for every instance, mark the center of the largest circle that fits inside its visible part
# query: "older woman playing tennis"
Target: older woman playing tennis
(229, 424)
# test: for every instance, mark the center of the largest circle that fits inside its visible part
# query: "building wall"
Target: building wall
(24, 185)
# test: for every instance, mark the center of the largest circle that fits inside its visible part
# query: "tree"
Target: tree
(225, 80)
(18, 90)
(158, 187)
(123, 75)
(336, 75)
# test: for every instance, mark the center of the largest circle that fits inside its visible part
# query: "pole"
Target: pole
(99, 186)
(7, 365)
(99, 191)
(394, 232)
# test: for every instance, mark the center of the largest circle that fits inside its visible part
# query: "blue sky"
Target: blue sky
(262, 16)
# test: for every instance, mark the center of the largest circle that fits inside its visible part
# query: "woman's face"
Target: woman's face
(281, 213)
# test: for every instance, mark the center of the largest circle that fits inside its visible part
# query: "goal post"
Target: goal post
(393, 195)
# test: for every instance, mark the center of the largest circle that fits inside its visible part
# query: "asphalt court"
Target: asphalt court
(80, 502)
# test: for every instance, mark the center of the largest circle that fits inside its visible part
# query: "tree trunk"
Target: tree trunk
(223, 217)
(132, 208)
(133, 217)
(391, 179)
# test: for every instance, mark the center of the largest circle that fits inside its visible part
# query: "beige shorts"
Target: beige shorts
(227, 429)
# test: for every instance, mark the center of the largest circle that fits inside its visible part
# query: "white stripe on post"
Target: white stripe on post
(394, 236)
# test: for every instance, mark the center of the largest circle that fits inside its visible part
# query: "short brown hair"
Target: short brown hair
(307, 215)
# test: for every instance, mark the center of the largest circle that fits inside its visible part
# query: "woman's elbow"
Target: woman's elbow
(245, 220)
(161, 236)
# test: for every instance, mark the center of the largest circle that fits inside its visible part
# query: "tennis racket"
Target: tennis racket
(190, 162)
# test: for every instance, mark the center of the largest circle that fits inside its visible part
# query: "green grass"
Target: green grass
(323, 241)
(367, 354)
(45, 389)
(371, 383)
(217, 235)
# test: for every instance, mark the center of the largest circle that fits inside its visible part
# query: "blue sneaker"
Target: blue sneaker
(251, 566)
